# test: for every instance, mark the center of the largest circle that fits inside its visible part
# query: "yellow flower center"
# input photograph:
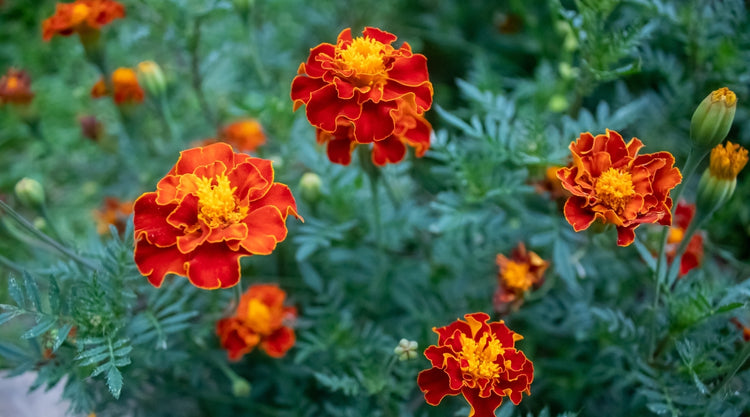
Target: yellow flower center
(727, 162)
(124, 76)
(12, 83)
(258, 317)
(478, 359)
(614, 188)
(516, 276)
(364, 56)
(79, 14)
(675, 234)
(217, 205)
(724, 94)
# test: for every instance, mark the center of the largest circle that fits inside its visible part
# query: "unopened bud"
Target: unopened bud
(152, 78)
(310, 185)
(240, 387)
(30, 193)
(713, 118)
(406, 349)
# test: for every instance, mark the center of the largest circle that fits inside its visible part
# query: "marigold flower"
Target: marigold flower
(261, 319)
(15, 87)
(82, 17)
(152, 78)
(360, 90)
(713, 118)
(125, 84)
(113, 212)
(212, 208)
(610, 182)
(745, 330)
(478, 360)
(244, 135)
(718, 182)
(693, 256)
(524, 270)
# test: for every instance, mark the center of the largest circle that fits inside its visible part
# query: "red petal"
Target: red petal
(375, 122)
(421, 94)
(325, 107)
(279, 196)
(155, 262)
(150, 221)
(265, 228)
(433, 383)
(279, 342)
(340, 150)
(379, 35)
(250, 182)
(214, 266)
(303, 87)
(389, 150)
(481, 407)
(193, 158)
(625, 235)
(410, 71)
(576, 215)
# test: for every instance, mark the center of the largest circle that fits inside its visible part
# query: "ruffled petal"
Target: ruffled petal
(433, 383)
(214, 266)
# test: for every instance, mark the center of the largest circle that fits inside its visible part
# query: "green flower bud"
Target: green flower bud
(310, 185)
(406, 349)
(152, 78)
(30, 193)
(240, 387)
(713, 118)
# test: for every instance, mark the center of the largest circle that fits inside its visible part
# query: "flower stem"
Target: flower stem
(373, 175)
(195, 71)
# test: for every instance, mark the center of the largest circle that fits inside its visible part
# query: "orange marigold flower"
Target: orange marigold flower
(212, 208)
(480, 361)
(81, 16)
(15, 87)
(610, 182)
(693, 256)
(261, 318)
(524, 270)
(244, 135)
(363, 90)
(125, 84)
(113, 212)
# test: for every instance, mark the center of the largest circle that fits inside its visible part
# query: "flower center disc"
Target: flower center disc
(364, 56)
(258, 317)
(217, 205)
(478, 358)
(614, 188)
(516, 276)
(79, 14)
(12, 83)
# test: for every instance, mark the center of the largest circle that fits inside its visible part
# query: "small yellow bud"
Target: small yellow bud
(310, 186)
(718, 182)
(152, 78)
(30, 193)
(713, 118)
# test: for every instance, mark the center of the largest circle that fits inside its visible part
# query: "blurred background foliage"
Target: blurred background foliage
(515, 82)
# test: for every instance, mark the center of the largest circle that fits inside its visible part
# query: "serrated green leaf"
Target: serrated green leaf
(91, 352)
(54, 296)
(114, 381)
(94, 359)
(15, 292)
(62, 334)
(729, 307)
(122, 351)
(178, 318)
(101, 368)
(44, 324)
(32, 291)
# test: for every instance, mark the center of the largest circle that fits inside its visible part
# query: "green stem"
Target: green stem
(252, 46)
(50, 224)
(46, 239)
(195, 71)
(373, 175)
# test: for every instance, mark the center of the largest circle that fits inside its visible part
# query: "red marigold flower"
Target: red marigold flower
(363, 90)
(212, 208)
(524, 270)
(81, 16)
(244, 135)
(15, 87)
(125, 84)
(261, 318)
(113, 212)
(612, 183)
(693, 256)
(478, 360)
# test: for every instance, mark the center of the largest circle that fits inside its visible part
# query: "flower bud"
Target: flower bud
(30, 192)
(406, 349)
(240, 387)
(718, 182)
(713, 118)
(152, 78)
(310, 185)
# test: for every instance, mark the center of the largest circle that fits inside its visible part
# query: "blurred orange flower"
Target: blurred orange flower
(125, 83)
(524, 270)
(363, 90)
(113, 212)
(212, 208)
(693, 256)
(244, 135)
(81, 16)
(261, 318)
(15, 87)
(612, 183)
(478, 360)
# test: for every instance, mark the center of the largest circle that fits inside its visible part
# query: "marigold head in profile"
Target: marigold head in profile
(518, 274)
(125, 85)
(244, 135)
(212, 208)
(611, 183)
(261, 319)
(15, 87)
(362, 90)
(113, 212)
(693, 255)
(478, 360)
(85, 17)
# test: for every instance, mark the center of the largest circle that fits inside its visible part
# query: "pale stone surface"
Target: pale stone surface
(17, 401)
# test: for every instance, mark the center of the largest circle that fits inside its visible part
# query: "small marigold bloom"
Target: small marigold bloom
(212, 208)
(152, 78)
(718, 182)
(713, 118)
(261, 319)
(727, 161)
(125, 84)
(15, 87)
(366, 85)
(244, 135)
(693, 256)
(524, 270)
(478, 360)
(113, 212)
(610, 182)
(82, 16)
(740, 326)
(91, 128)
